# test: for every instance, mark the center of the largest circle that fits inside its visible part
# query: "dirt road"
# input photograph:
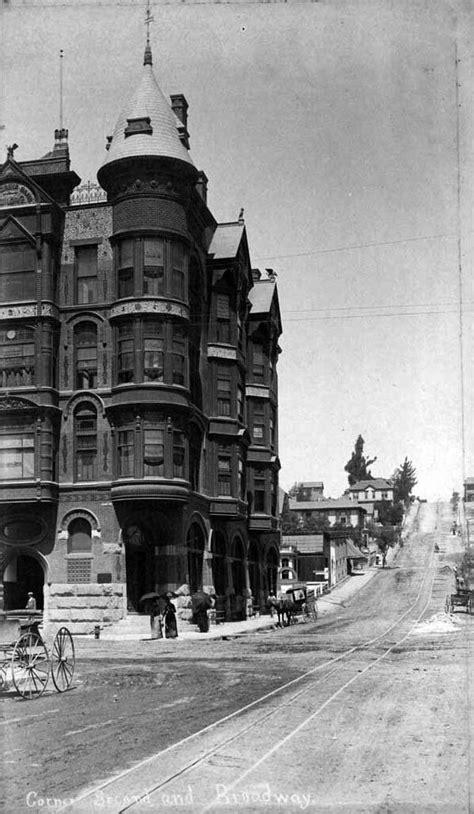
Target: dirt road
(367, 710)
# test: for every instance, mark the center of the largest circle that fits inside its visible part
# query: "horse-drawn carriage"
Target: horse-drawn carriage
(463, 598)
(24, 659)
(295, 603)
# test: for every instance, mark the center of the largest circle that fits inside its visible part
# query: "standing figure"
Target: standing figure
(31, 603)
(201, 603)
(171, 628)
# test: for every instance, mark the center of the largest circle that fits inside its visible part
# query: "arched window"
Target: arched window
(85, 344)
(79, 540)
(195, 546)
(85, 442)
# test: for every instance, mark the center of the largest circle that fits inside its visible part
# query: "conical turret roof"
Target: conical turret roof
(147, 125)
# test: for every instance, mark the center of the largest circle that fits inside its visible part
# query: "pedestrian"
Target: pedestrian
(201, 603)
(31, 603)
(156, 618)
(169, 617)
(272, 603)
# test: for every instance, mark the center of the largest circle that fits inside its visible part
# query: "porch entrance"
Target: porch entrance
(23, 573)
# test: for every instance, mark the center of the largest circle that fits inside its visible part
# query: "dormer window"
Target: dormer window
(142, 125)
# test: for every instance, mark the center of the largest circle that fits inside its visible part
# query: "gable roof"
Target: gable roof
(226, 240)
(305, 543)
(324, 505)
(376, 483)
(263, 296)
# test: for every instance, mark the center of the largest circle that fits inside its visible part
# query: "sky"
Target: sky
(345, 130)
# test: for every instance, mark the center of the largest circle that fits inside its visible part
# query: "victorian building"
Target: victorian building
(138, 382)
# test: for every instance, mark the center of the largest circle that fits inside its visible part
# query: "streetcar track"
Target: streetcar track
(428, 578)
(332, 666)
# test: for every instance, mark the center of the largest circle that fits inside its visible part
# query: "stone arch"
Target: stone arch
(86, 514)
(24, 569)
(86, 396)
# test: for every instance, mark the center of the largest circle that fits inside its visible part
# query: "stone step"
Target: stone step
(136, 625)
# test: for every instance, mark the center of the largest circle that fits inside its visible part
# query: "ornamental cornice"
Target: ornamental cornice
(31, 310)
(168, 187)
(172, 309)
(15, 403)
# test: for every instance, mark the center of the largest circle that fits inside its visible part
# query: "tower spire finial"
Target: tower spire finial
(148, 20)
(61, 55)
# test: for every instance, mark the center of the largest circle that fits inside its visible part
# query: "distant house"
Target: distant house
(469, 490)
(308, 491)
(369, 492)
(341, 512)
(317, 559)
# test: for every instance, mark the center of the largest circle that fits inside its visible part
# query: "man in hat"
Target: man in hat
(31, 604)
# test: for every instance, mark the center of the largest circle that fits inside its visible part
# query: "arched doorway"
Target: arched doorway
(23, 573)
(195, 545)
(254, 571)
(139, 565)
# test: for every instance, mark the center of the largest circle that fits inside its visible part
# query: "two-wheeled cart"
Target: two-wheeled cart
(24, 658)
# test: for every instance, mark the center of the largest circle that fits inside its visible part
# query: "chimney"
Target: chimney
(60, 140)
(201, 186)
(179, 106)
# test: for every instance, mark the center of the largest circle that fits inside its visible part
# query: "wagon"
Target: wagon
(24, 658)
(304, 603)
(461, 599)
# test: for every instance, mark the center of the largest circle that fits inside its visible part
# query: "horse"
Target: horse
(285, 609)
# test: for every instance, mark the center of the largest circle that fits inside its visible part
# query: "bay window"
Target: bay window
(17, 357)
(151, 267)
(153, 453)
(17, 455)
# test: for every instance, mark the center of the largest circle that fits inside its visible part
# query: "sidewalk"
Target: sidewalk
(329, 603)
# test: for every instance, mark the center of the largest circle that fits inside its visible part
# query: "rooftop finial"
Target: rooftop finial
(148, 19)
(61, 55)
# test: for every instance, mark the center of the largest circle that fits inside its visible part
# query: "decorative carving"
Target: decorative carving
(87, 194)
(151, 306)
(10, 403)
(14, 194)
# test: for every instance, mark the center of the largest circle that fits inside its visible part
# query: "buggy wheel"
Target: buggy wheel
(62, 660)
(30, 665)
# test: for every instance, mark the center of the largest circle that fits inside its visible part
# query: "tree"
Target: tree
(389, 513)
(386, 537)
(404, 479)
(358, 466)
